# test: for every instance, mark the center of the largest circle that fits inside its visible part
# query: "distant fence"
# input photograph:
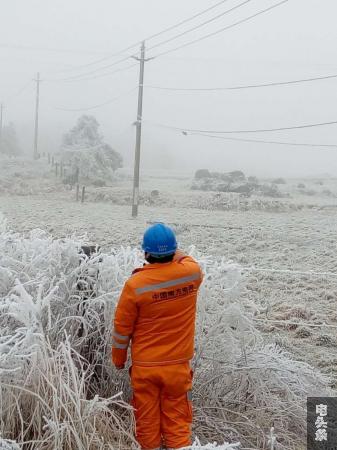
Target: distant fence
(68, 175)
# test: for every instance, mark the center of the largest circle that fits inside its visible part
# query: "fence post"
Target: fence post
(56, 168)
(48, 158)
(77, 192)
(52, 161)
(83, 194)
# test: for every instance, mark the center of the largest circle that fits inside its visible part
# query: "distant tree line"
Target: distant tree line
(9, 144)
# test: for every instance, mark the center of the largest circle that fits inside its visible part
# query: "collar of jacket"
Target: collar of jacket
(158, 265)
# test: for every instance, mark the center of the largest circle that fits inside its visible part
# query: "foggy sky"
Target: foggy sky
(296, 40)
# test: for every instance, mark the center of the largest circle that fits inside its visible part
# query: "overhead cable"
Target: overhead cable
(108, 102)
(152, 36)
(221, 30)
(292, 144)
(212, 19)
(262, 130)
(86, 78)
(248, 86)
(83, 76)
(18, 93)
(86, 74)
(48, 49)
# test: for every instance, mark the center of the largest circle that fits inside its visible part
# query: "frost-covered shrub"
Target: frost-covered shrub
(23, 176)
(253, 180)
(5, 444)
(58, 388)
(270, 190)
(83, 149)
(202, 173)
(279, 181)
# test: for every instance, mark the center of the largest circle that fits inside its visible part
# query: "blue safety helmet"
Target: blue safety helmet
(159, 240)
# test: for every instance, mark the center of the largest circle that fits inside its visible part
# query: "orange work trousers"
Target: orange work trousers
(162, 403)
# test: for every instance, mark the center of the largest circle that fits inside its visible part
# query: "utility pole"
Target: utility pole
(1, 125)
(135, 196)
(37, 115)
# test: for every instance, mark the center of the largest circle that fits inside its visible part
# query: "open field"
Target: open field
(286, 256)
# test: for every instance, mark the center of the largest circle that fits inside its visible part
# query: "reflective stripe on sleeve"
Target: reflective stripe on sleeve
(189, 396)
(118, 345)
(120, 336)
(168, 284)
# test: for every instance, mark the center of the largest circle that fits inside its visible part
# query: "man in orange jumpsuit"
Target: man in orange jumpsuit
(156, 312)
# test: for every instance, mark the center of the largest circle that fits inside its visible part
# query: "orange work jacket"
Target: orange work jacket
(156, 312)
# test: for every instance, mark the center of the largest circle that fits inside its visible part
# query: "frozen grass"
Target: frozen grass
(58, 388)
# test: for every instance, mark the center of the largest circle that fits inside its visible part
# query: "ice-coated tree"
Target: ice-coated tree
(9, 144)
(83, 148)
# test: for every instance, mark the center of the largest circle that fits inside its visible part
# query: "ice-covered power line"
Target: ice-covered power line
(108, 102)
(259, 141)
(125, 58)
(18, 92)
(93, 72)
(261, 130)
(152, 36)
(228, 27)
(196, 27)
(98, 70)
(88, 78)
(247, 86)
(49, 49)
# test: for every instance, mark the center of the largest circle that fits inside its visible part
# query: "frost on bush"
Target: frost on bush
(5, 444)
(57, 384)
(83, 149)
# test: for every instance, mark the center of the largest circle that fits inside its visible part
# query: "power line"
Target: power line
(152, 36)
(48, 49)
(186, 20)
(221, 30)
(212, 19)
(112, 100)
(263, 130)
(82, 76)
(295, 144)
(161, 43)
(19, 92)
(248, 86)
(74, 79)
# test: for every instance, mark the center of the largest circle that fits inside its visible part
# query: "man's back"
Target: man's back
(163, 296)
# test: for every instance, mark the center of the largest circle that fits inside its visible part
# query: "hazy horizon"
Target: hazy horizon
(295, 40)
